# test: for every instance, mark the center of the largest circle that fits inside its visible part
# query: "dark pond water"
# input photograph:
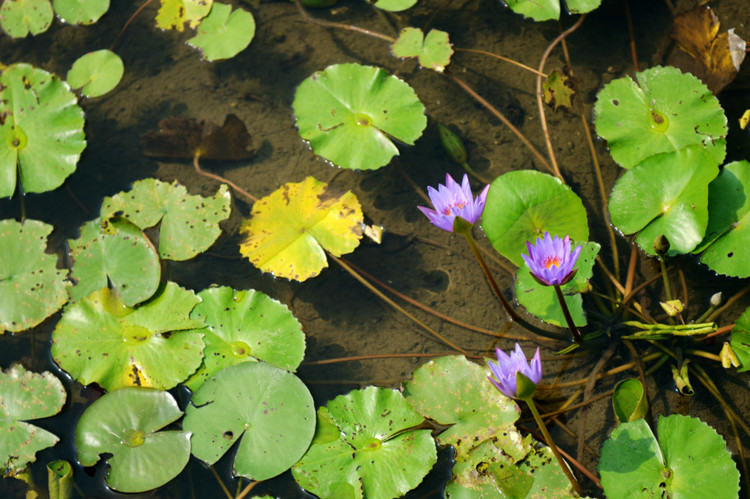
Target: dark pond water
(165, 77)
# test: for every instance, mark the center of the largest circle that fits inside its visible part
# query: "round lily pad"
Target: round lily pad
(245, 325)
(24, 396)
(434, 51)
(290, 230)
(80, 11)
(453, 391)
(100, 339)
(361, 449)
(18, 18)
(96, 73)
(664, 112)
(31, 286)
(542, 300)
(269, 409)
(41, 130)
(114, 252)
(189, 224)
(666, 195)
(394, 5)
(125, 423)
(690, 460)
(523, 205)
(728, 231)
(349, 104)
(223, 33)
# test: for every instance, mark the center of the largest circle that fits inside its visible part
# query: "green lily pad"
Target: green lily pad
(394, 5)
(175, 14)
(60, 479)
(189, 224)
(31, 286)
(370, 455)
(96, 73)
(349, 104)
(268, 408)
(666, 195)
(291, 229)
(125, 423)
(664, 112)
(542, 301)
(728, 231)
(523, 205)
(18, 18)
(690, 460)
(434, 51)
(245, 325)
(114, 252)
(629, 400)
(24, 396)
(453, 391)
(41, 132)
(544, 10)
(740, 341)
(80, 11)
(100, 339)
(222, 35)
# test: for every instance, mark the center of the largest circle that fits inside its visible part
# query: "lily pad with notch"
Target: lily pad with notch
(114, 252)
(545, 10)
(223, 33)
(189, 223)
(664, 112)
(101, 340)
(349, 104)
(365, 446)
(667, 195)
(83, 12)
(267, 409)
(728, 231)
(184, 138)
(433, 51)
(125, 424)
(18, 18)
(523, 205)
(291, 229)
(25, 396)
(453, 391)
(96, 73)
(242, 326)
(31, 286)
(541, 300)
(175, 14)
(689, 460)
(41, 131)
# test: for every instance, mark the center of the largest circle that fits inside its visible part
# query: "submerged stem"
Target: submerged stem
(571, 325)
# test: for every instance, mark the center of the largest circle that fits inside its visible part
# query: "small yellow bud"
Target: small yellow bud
(728, 357)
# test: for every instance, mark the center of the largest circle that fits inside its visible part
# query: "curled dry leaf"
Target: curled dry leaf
(714, 58)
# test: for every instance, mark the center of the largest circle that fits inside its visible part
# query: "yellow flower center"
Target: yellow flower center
(552, 260)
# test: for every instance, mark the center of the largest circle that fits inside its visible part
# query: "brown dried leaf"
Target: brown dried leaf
(714, 58)
(558, 90)
(182, 138)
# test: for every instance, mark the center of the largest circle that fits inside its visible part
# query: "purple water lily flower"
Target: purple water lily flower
(452, 200)
(508, 366)
(551, 261)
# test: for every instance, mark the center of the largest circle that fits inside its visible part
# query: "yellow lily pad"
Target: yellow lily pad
(291, 229)
(173, 14)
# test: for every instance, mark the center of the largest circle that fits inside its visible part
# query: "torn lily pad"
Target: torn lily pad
(101, 340)
(188, 224)
(25, 396)
(125, 423)
(291, 229)
(545, 10)
(269, 410)
(242, 326)
(42, 130)
(175, 14)
(31, 286)
(349, 104)
(433, 51)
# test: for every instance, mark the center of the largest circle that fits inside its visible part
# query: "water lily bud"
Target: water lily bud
(716, 299)
(661, 245)
(728, 357)
(682, 381)
(452, 145)
(672, 307)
